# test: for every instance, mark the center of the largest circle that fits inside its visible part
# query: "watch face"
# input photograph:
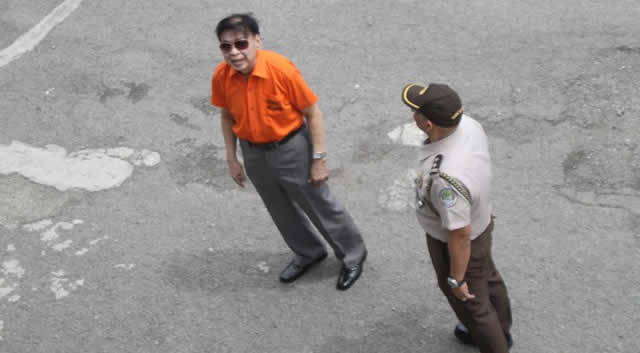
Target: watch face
(319, 155)
(452, 282)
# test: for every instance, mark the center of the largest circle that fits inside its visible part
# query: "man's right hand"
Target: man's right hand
(237, 172)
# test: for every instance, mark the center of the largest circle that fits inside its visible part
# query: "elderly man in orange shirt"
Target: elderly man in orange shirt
(265, 102)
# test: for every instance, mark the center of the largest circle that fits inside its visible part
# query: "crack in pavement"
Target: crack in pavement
(575, 200)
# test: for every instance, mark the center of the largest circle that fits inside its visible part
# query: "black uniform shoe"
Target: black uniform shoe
(509, 339)
(463, 335)
(349, 276)
(293, 271)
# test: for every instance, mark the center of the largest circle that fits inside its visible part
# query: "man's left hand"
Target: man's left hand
(319, 171)
(462, 293)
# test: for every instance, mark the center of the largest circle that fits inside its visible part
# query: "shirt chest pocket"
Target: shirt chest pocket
(277, 107)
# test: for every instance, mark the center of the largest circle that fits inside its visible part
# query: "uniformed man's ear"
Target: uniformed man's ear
(428, 124)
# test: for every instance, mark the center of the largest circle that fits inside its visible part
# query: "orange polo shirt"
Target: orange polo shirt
(268, 104)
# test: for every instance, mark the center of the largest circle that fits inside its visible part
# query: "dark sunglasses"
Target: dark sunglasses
(239, 44)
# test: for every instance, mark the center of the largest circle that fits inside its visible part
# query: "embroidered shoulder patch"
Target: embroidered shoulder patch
(448, 197)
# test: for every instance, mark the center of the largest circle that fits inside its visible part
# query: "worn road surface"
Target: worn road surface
(121, 232)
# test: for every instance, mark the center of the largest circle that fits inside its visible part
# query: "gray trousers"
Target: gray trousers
(281, 177)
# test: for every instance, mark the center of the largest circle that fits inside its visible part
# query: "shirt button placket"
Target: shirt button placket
(251, 106)
(250, 98)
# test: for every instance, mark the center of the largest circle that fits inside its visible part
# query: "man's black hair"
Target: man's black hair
(238, 22)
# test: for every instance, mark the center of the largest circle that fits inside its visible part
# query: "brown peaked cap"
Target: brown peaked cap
(438, 102)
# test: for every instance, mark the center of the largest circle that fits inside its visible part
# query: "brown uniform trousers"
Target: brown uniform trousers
(488, 315)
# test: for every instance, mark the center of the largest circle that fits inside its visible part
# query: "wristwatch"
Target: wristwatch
(319, 155)
(453, 283)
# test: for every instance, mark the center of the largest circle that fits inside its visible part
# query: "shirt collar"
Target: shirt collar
(440, 145)
(259, 69)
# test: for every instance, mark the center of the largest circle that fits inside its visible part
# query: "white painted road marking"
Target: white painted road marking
(29, 40)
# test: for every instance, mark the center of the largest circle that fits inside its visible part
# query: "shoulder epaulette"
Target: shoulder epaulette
(435, 167)
(458, 185)
(455, 183)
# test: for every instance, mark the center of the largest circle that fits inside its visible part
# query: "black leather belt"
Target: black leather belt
(276, 144)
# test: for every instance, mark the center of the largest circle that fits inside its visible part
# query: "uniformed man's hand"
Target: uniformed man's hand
(237, 172)
(462, 292)
(319, 171)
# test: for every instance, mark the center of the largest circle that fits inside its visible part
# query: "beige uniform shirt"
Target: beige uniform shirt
(464, 168)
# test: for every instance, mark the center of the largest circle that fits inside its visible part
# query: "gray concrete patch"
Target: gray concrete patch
(10, 30)
(183, 121)
(628, 50)
(137, 91)
(18, 17)
(199, 164)
(105, 93)
(371, 149)
(605, 168)
(203, 104)
(520, 129)
(418, 334)
(35, 201)
(215, 271)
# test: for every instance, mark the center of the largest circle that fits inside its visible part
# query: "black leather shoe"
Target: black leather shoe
(509, 340)
(463, 335)
(349, 276)
(293, 271)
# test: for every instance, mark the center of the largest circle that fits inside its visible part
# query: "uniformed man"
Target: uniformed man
(453, 207)
(268, 106)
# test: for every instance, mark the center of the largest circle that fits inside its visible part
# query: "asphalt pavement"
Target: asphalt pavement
(121, 231)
